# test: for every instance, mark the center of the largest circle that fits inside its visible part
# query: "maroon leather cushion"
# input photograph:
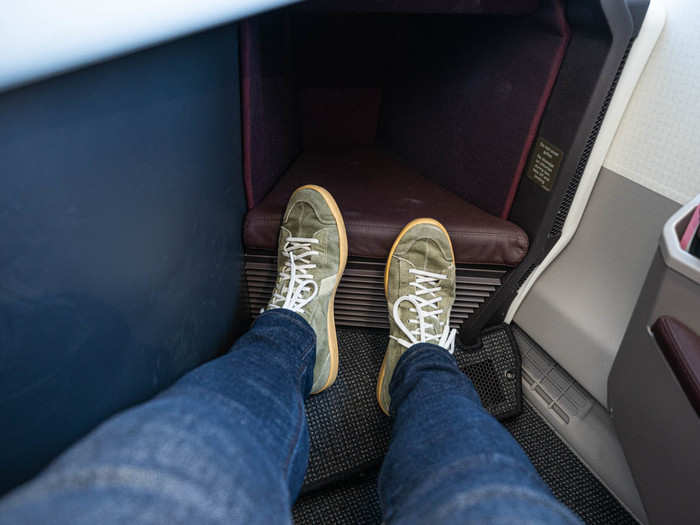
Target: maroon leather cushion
(378, 195)
(681, 346)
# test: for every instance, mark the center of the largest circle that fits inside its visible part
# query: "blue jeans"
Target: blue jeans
(228, 443)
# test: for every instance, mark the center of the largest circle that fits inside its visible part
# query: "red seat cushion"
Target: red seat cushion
(378, 195)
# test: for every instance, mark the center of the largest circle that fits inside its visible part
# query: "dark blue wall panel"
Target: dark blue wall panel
(121, 203)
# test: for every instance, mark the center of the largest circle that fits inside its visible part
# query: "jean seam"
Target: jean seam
(303, 366)
(295, 441)
(300, 410)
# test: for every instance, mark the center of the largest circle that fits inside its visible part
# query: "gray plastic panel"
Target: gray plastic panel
(581, 422)
(579, 308)
(657, 425)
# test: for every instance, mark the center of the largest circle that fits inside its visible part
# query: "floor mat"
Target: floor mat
(353, 498)
(351, 502)
(349, 432)
(356, 501)
(571, 482)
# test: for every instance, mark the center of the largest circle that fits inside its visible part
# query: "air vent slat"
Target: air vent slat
(360, 298)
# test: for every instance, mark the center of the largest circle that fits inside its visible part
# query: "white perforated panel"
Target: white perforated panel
(658, 141)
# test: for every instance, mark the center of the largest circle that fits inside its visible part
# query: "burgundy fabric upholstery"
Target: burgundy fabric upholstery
(681, 347)
(505, 7)
(339, 116)
(378, 195)
(467, 98)
(270, 112)
(458, 96)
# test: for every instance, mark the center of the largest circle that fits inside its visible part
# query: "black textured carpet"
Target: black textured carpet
(571, 482)
(351, 502)
(353, 499)
(349, 432)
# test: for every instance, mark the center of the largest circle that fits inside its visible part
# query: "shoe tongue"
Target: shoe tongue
(295, 219)
(426, 255)
(302, 221)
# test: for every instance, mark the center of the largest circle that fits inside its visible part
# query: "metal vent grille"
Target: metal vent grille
(360, 298)
(568, 199)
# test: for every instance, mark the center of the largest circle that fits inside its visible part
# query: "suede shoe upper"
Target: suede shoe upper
(420, 290)
(312, 252)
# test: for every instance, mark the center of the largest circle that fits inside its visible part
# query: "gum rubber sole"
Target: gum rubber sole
(343, 238)
(414, 222)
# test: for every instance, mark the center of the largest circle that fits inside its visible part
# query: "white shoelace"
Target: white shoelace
(301, 288)
(426, 309)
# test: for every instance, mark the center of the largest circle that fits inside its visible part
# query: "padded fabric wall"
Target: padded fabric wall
(459, 96)
(271, 132)
(467, 95)
(507, 7)
(121, 202)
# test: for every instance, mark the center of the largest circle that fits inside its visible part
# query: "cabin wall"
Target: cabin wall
(121, 203)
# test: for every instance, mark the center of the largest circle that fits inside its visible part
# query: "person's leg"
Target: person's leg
(449, 461)
(228, 443)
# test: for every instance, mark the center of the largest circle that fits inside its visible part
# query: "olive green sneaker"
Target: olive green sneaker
(419, 283)
(311, 254)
